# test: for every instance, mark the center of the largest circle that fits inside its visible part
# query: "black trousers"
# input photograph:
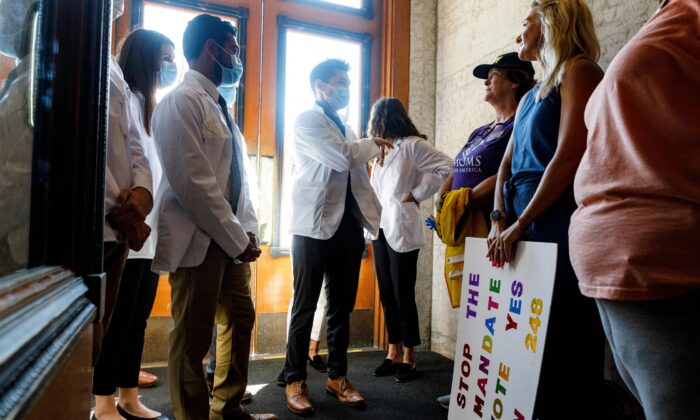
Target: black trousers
(396, 277)
(575, 339)
(337, 258)
(120, 359)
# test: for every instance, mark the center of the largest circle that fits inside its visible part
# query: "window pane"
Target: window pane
(16, 131)
(355, 4)
(299, 97)
(172, 22)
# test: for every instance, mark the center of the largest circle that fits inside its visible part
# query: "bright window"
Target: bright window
(355, 4)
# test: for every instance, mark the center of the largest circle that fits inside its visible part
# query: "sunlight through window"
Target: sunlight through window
(356, 4)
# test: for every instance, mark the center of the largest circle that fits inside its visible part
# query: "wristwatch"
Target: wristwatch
(497, 215)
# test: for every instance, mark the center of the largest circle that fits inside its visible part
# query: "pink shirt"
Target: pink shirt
(636, 233)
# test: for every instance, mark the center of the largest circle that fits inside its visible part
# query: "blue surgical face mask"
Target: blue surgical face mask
(339, 98)
(167, 75)
(229, 93)
(230, 75)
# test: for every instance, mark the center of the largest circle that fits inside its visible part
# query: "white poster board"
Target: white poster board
(503, 321)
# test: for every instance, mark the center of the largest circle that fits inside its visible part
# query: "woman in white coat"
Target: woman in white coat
(402, 177)
(146, 60)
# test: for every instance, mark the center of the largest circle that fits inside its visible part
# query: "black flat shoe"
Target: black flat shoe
(128, 416)
(405, 372)
(280, 379)
(386, 368)
(317, 363)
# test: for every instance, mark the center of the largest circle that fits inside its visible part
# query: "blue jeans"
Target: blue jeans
(656, 345)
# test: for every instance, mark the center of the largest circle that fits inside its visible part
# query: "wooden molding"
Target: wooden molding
(396, 49)
(24, 286)
(38, 331)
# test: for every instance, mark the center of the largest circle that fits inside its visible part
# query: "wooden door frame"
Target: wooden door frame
(46, 310)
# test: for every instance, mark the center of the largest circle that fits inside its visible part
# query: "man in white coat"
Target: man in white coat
(331, 202)
(207, 227)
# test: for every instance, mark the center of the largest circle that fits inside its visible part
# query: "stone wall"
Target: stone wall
(467, 33)
(422, 112)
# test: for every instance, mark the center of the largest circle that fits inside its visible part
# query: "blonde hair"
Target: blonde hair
(567, 35)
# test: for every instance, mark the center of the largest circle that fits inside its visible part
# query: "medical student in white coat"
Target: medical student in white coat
(404, 176)
(332, 201)
(128, 200)
(207, 229)
(146, 59)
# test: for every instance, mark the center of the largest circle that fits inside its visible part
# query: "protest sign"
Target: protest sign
(502, 328)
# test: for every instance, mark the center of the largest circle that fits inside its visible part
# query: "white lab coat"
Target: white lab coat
(412, 166)
(127, 165)
(195, 149)
(149, 148)
(322, 159)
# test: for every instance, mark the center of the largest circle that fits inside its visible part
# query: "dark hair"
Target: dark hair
(389, 119)
(524, 80)
(202, 28)
(139, 59)
(326, 69)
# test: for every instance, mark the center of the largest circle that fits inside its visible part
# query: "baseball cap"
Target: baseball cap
(505, 61)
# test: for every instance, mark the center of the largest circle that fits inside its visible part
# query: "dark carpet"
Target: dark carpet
(386, 399)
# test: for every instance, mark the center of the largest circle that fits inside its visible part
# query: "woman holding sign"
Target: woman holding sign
(475, 166)
(534, 198)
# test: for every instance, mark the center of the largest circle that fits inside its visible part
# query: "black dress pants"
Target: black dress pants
(339, 259)
(396, 277)
(120, 359)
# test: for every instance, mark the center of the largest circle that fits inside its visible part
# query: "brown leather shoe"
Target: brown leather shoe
(298, 398)
(147, 379)
(344, 391)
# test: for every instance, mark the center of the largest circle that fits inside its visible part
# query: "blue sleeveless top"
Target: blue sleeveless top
(535, 137)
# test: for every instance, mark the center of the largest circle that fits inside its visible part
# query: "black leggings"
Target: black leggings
(396, 276)
(120, 359)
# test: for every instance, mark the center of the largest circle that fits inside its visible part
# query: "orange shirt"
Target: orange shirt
(636, 233)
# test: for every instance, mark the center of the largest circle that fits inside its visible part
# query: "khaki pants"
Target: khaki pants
(216, 290)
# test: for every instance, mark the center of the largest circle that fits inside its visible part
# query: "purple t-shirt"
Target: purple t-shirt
(482, 155)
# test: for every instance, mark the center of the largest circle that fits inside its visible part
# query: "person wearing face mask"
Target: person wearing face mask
(207, 229)
(128, 200)
(16, 136)
(332, 201)
(229, 91)
(146, 62)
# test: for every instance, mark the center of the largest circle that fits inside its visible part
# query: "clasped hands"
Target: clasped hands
(252, 251)
(128, 216)
(501, 241)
